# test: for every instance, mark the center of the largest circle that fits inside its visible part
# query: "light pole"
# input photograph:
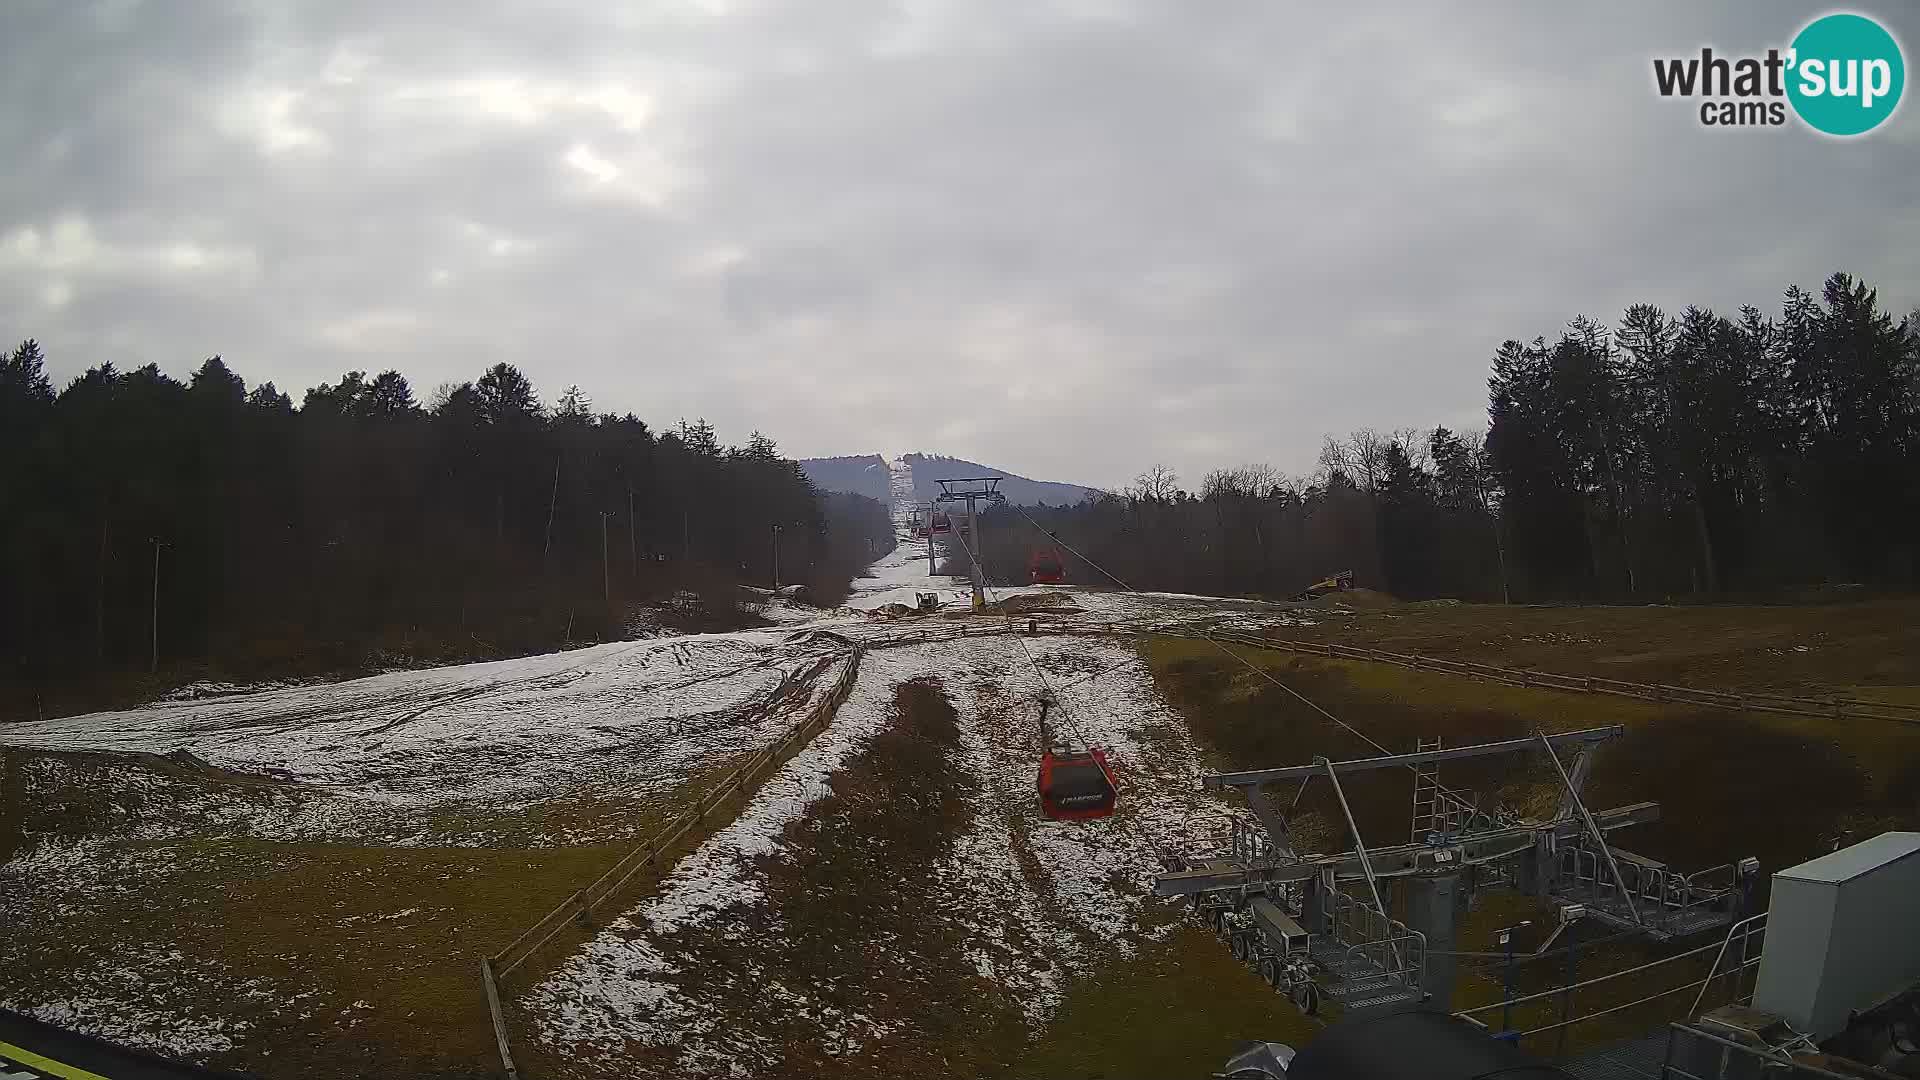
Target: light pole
(606, 575)
(1569, 914)
(154, 665)
(1506, 1009)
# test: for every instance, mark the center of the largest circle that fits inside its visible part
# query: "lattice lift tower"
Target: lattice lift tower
(970, 490)
(1318, 926)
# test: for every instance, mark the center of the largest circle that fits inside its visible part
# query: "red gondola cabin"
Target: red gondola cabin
(1045, 568)
(1076, 786)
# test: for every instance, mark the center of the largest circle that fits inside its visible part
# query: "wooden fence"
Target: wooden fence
(578, 909)
(1830, 708)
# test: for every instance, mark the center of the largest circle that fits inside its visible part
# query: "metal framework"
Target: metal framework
(971, 490)
(1321, 926)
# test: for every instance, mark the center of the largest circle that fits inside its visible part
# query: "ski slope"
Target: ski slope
(383, 756)
(708, 977)
(707, 973)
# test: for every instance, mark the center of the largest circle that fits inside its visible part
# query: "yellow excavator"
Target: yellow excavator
(1339, 582)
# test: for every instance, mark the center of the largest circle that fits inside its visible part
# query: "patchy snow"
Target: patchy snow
(478, 754)
(374, 757)
(901, 574)
(207, 688)
(120, 1011)
(1162, 610)
(1038, 902)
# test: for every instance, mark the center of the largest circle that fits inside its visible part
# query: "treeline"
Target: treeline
(363, 524)
(1696, 455)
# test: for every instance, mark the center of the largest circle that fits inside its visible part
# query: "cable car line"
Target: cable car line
(1073, 786)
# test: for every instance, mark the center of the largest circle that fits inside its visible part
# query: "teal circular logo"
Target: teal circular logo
(1846, 74)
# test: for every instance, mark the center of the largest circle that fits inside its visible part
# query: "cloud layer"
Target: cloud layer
(1069, 237)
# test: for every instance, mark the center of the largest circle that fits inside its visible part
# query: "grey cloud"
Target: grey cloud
(1071, 238)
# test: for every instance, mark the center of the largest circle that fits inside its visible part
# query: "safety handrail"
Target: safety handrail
(1794, 1066)
(1559, 990)
(1745, 928)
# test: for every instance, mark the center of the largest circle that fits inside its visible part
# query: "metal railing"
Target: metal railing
(1730, 1059)
(1662, 887)
(1741, 933)
(1248, 843)
(1746, 960)
(1383, 942)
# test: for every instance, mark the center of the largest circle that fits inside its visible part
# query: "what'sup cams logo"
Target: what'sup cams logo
(1843, 75)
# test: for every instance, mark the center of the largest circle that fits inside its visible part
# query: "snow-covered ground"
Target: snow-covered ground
(382, 756)
(903, 573)
(900, 575)
(477, 755)
(1036, 902)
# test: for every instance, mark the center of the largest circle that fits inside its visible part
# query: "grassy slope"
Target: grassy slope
(1871, 644)
(348, 959)
(1177, 1008)
(847, 906)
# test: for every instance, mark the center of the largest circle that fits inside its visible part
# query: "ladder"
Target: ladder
(1426, 793)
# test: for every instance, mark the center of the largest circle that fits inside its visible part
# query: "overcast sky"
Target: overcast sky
(1067, 238)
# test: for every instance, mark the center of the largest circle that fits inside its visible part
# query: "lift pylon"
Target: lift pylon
(972, 490)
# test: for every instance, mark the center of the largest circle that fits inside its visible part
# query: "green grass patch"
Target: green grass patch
(344, 959)
(341, 960)
(1730, 784)
(1871, 645)
(1178, 1007)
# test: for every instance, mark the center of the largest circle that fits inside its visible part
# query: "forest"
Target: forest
(151, 524)
(1695, 456)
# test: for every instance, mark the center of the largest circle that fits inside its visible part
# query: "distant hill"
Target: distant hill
(865, 474)
(1018, 489)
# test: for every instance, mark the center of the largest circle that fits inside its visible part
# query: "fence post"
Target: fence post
(1566, 1003)
(499, 1018)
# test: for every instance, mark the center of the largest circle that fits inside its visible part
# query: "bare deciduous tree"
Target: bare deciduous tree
(1158, 484)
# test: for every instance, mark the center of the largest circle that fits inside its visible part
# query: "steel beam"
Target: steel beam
(1400, 860)
(1593, 827)
(1586, 737)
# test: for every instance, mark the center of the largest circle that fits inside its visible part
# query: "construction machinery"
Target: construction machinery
(1340, 582)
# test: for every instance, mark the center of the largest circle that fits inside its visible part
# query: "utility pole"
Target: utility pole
(154, 666)
(606, 575)
(686, 538)
(553, 501)
(100, 600)
(971, 490)
(633, 545)
(776, 556)
(930, 567)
